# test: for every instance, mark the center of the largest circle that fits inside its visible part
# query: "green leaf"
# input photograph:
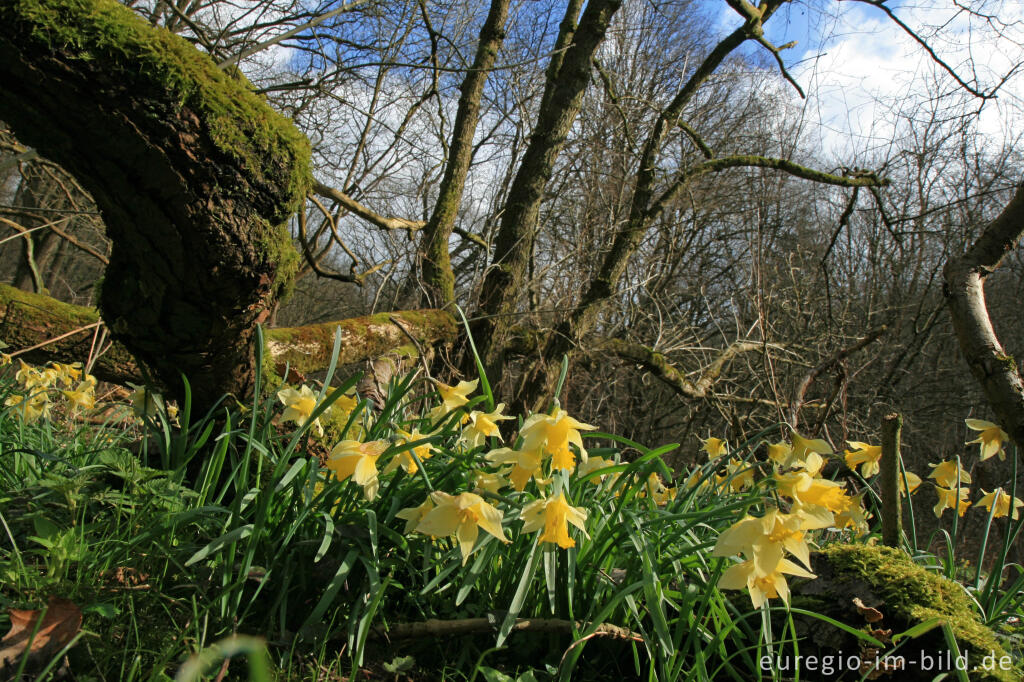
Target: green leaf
(229, 538)
(400, 664)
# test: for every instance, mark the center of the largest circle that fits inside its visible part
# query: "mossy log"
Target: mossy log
(881, 592)
(67, 331)
(194, 174)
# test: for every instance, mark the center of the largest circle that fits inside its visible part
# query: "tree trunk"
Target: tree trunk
(964, 288)
(194, 174)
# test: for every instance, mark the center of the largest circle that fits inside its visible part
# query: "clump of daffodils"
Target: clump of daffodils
(56, 385)
(811, 503)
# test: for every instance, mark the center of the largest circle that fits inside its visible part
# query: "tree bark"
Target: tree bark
(964, 289)
(194, 174)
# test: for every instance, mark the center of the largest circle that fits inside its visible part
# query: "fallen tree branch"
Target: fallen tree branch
(464, 626)
(41, 329)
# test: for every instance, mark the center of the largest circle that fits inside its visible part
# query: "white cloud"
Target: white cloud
(861, 71)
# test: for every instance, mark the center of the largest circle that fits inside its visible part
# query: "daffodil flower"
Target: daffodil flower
(81, 397)
(553, 434)
(461, 515)
(32, 408)
(454, 397)
(659, 492)
(525, 465)
(1001, 501)
(593, 464)
(405, 458)
(780, 453)
(913, 480)
(299, 405)
(488, 481)
(864, 455)
(715, 447)
(738, 474)
(991, 439)
(554, 515)
(803, 446)
(761, 583)
(413, 515)
(763, 539)
(807, 490)
(350, 458)
(855, 517)
(949, 474)
(483, 425)
(951, 499)
(145, 403)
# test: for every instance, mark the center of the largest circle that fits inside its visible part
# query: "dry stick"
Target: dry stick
(56, 338)
(892, 519)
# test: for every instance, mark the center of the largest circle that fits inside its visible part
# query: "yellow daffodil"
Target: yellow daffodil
(405, 458)
(1001, 501)
(763, 539)
(913, 480)
(593, 464)
(454, 397)
(358, 460)
(780, 453)
(812, 464)
(949, 474)
(68, 373)
(5, 359)
(31, 409)
(145, 402)
(715, 447)
(658, 491)
(461, 515)
(554, 515)
(299, 405)
(991, 439)
(413, 515)
(697, 480)
(526, 464)
(739, 475)
(951, 499)
(483, 425)
(553, 434)
(864, 455)
(855, 517)
(804, 446)
(82, 397)
(761, 583)
(807, 490)
(490, 482)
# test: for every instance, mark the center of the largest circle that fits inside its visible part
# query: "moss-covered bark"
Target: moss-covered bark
(194, 174)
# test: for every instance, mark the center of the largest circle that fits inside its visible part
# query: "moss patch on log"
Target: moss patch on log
(907, 595)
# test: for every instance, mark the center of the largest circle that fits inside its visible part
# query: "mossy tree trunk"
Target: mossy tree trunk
(194, 174)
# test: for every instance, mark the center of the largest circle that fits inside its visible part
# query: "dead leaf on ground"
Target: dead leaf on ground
(61, 623)
(871, 614)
